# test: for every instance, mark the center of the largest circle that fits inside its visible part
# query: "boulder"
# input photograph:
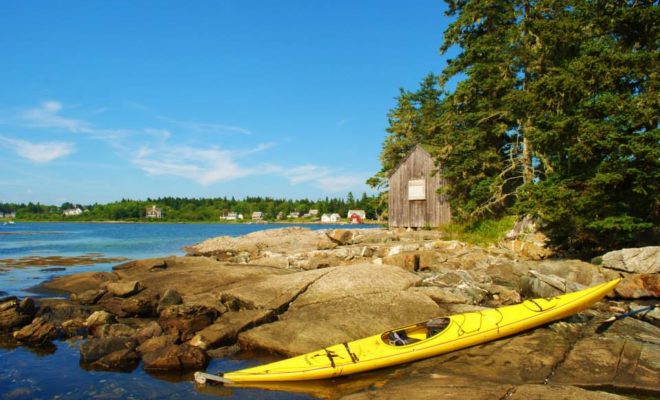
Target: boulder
(142, 305)
(74, 327)
(156, 342)
(359, 279)
(625, 357)
(639, 286)
(151, 329)
(88, 297)
(122, 360)
(227, 327)
(283, 240)
(442, 295)
(272, 292)
(175, 358)
(314, 325)
(95, 349)
(541, 285)
(38, 332)
(113, 330)
(643, 260)
(16, 313)
(184, 321)
(124, 288)
(81, 282)
(60, 310)
(100, 318)
(169, 298)
(340, 236)
(113, 305)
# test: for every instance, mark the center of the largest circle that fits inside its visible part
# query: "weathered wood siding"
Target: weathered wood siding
(404, 213)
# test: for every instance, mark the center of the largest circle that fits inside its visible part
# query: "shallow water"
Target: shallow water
(55, 372)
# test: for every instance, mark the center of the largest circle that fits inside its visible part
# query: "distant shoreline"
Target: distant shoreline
(18, 221)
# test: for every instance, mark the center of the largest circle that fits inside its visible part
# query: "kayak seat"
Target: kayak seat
(400, 338)
(435, 326)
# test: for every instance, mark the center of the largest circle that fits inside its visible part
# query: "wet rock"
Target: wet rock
(175, 358)
(16, 313)
(39, 331)
(227, 327)
(74, 327)
(113, 330)
(151, 329)
(95, 349)
(169, 298)
(147, 263)
(186, 320)
(124, 288)
(644, 260)
(80, 283)
(100, 318)
(639, 286)
(224, 352)
(113, 305)
(157, 342)
(60, 310)
(121, 360)
(88, 297)
(142, 305)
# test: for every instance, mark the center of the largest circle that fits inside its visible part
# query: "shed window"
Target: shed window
(417, 189)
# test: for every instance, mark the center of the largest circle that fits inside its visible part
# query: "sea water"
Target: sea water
(53, 372)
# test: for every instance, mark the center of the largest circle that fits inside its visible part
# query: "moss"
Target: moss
(483, 233)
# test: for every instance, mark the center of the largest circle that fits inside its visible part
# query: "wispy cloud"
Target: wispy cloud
(40, 153)
(323, 178)
(204, 166)
(205, 127)
(47, 116)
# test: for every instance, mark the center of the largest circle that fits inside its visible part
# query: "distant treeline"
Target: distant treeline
(184, 209)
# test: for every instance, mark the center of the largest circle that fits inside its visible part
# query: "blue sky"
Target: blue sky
(104, 100)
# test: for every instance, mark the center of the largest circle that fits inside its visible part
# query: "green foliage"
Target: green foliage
(555, 115)
(192, 210)
(483, 232)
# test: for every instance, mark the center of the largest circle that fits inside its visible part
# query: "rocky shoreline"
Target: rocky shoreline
(292, 290)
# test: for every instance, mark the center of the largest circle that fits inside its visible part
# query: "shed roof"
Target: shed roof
(428, 148)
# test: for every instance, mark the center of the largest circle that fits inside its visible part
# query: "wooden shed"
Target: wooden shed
(414, 201)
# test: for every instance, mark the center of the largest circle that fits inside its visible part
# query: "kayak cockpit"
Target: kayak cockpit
(415, 333)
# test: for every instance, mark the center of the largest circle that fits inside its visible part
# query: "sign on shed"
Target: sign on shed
(416, 189)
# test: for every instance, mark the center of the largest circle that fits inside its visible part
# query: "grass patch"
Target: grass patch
(482, 233)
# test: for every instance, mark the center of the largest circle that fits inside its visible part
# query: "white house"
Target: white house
(10, 214)
(70, 212)
(154, 212)
(294, 214)
(313, 213)
(257, 216)
(330, 218)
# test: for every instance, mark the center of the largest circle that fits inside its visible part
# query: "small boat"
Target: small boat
(422, 340)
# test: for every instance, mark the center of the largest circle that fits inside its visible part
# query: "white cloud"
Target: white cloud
(206, 127)
(204, 166)
(40, 153)
(323, 178)
(46, 116)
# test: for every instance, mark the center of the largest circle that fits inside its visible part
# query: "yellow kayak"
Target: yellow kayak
(418, 341)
